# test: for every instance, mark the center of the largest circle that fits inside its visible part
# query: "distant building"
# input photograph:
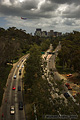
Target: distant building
(59, 33)
(38, 32)
(56, 34)
(44, 34)
(51, 33)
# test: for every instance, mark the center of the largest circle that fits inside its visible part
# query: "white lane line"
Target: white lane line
(16, 99)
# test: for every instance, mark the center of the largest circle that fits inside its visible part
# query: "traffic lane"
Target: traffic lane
(21, 112)
(14, 92)
(7, 97)
(18, 96)
(14, 100)
(57, 76)
(6, 94)
(12, 95)
(6, 108)
(5, 101)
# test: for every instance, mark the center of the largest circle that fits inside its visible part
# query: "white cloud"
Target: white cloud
(6, 2)
(40, 3)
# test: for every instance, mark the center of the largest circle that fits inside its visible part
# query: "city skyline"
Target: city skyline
(58, 15)
(39, 32)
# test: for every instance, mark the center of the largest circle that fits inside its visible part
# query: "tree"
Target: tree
(33, 65)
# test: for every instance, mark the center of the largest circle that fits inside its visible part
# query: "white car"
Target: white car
(12, 110)
(14, 76)
(18, 66)
(22, 66)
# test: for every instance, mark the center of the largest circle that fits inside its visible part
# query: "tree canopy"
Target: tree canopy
(70, 52)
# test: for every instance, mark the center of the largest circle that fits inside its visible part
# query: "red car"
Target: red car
(69, 88)
(69, 75)
(67, 84)
(13, 88)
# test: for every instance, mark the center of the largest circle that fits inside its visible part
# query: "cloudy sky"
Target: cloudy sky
(58, 15)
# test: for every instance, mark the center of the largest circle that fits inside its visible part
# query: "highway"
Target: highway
(50, 59)
(13, 97)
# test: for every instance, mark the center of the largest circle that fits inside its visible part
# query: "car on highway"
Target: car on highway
(21, 105)
(12, 110)
(19, 88)
(69, 75)
(19, 70)
(66, 95)
(18, 66)
(13, 87)
(67, 84)
(22, 66)
(14, 76)
(69, 88)
(19, 73)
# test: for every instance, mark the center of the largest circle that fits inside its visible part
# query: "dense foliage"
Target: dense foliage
(33, 66)
(69, 56)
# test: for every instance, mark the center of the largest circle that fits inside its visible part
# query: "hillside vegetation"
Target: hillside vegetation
(69, 55)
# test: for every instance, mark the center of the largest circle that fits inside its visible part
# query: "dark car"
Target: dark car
(19, 88)
(20, 105)
(19, 70)
(66, 95)
(19, 73)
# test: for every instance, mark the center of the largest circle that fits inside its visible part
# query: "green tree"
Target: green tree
(33, 65)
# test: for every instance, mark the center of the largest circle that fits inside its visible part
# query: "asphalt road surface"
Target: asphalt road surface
(57, 76)
(13, 97)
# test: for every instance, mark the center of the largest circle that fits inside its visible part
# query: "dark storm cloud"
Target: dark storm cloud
(65, 1)
(47, 9)
(72, 12)
(12, 1)
(49, 6)
(29, 5)
(24, 10)
(9, 10)
(1, 0)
